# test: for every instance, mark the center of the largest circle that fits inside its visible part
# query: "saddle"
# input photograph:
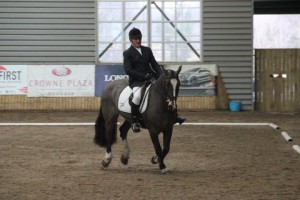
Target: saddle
(124, 101)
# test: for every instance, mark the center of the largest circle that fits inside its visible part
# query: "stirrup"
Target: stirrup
(136, 127)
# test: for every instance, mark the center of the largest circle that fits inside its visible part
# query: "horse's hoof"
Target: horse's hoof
(165, 171)
(124, 160)
(154, 159)
(106, 162)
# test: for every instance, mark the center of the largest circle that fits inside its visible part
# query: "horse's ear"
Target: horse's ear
(164, 70)
(178, 70)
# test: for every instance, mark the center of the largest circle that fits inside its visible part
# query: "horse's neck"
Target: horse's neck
(158, 92)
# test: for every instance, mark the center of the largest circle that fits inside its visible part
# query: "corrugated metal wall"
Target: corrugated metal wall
(227, 41)
(47, 32)
(64, 32)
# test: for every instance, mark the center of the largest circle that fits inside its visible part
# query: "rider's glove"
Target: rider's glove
(147, 76)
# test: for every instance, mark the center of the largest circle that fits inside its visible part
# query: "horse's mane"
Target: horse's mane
(167, 74)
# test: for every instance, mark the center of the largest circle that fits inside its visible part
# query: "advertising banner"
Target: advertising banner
(106, 74)
(61, 80)
(197, 79)
(13, 79)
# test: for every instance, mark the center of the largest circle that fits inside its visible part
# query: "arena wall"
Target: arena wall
(53, 32)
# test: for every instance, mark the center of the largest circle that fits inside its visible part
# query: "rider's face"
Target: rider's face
(136, 42)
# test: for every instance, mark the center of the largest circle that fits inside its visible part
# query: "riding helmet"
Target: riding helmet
(135, 33)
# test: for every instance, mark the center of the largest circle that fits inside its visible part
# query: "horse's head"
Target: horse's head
(172, 84)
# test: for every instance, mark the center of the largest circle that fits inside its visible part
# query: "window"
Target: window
(171, 28)
(276, 31)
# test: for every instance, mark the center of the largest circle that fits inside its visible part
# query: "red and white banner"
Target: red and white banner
(61, 80)
(13, 79)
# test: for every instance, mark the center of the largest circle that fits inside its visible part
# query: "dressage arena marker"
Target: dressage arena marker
(286, 136)
(296, 148)
(235, 124)
(274, 126)
(185, 124)
(47, 124)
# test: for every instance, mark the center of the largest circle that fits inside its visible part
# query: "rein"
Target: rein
(172, 100)
(167, 82)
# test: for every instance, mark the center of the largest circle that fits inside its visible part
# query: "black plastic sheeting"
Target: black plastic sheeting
(276, 6)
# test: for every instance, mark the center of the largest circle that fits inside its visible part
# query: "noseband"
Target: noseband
(171, 104)
(171, 86)
(170, 83)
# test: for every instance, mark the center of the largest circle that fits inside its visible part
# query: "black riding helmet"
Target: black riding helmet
(135, 33)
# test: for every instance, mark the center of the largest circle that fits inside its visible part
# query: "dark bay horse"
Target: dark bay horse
(159, 117)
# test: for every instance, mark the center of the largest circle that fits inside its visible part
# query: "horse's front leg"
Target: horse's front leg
(167, 135)
(123, 133)
(159, 152)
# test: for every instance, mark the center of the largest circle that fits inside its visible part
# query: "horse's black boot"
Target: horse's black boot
(136, 126)
(180, 120)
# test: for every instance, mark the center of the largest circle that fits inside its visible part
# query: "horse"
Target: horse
(159, 117)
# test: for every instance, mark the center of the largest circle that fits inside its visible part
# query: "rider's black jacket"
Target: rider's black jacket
(137, 65)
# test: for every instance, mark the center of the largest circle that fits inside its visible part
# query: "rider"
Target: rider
(140, 65)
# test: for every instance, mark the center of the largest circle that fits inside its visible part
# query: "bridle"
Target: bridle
(171, 95)
(171, 84)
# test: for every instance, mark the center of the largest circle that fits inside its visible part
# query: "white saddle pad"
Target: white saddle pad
(123, 102)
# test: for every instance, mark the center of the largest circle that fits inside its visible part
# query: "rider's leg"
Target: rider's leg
(135, 118)
(179, 119)
(135, 109)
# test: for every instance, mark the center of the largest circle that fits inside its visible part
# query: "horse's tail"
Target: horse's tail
(101, 136)
(100, 131)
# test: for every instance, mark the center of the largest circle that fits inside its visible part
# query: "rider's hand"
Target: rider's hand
(147, 76)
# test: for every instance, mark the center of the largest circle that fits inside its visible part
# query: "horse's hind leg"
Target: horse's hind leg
(123, 133)
(107, 158)
(111, 129)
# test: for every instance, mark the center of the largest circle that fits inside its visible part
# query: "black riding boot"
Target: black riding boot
(180, 120)
(136, 126)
